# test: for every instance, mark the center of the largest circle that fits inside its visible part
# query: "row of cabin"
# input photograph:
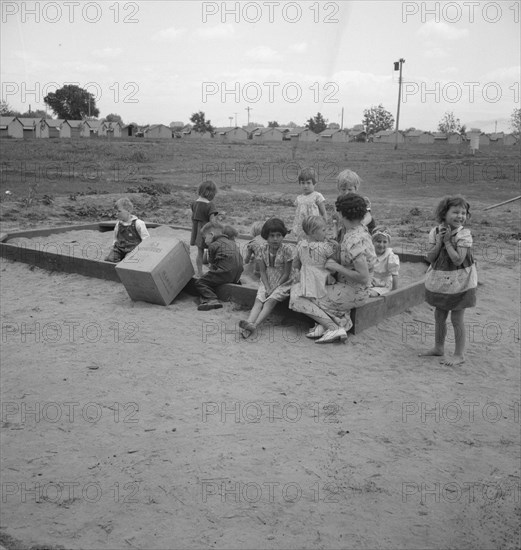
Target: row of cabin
(27, 128)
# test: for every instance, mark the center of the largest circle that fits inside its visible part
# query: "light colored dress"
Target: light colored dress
(387, 265)
(274, 271)
(307, 205)
(313, 275)
(344, 295)
(448, 286)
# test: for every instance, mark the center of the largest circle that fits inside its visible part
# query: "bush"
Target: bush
(151, 189)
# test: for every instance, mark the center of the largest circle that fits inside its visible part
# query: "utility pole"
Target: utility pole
(249, 109)
(396, 64)
(230, 119)
(342, 121)
(235, 119)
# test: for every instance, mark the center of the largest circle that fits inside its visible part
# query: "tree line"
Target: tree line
(70, 102)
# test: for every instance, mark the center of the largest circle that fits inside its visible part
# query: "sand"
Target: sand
(131, 425)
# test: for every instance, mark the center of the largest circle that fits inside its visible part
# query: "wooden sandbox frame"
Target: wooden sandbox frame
(367, 315)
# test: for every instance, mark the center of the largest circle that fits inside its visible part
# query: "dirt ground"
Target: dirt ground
(130, 425)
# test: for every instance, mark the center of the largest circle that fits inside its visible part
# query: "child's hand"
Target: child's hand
(447, 236)
(332, 266)
(440, 235)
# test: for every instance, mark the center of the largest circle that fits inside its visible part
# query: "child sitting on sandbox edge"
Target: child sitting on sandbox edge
(129, 231)
(225, 261)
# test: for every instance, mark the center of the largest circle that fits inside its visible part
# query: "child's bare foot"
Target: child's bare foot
(453, 361)
(430, 352)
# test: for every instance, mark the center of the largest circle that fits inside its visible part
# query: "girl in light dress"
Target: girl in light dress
(387, 266)
(275, 260)
(310, 203)
(311, 255)
(451, 280)
(253, 248)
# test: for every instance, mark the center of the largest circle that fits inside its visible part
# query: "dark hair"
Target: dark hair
(212, 226)
(273, 226)
(207, 189)
(352, 207)
(447, 202)
(307, 174)
(230, 232)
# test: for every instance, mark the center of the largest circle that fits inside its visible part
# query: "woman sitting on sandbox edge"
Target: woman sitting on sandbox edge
(331, 313)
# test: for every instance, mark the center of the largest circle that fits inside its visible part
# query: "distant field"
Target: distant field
(255, 181)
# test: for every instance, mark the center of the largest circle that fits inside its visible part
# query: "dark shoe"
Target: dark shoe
(207, 306)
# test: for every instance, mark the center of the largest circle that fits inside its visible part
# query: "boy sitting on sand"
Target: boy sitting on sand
(129, 231)
(225, 261)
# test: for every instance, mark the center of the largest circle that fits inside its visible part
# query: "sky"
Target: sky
(157, 62)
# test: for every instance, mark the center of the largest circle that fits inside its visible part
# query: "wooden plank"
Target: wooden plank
(30, 233)
(378, 309)
(60, 262)
(370, 314)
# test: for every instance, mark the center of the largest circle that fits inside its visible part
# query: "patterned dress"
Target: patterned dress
(387, 265)
(307, 205)
(447, 286)
(274, 271)
(313, 275)
(345, 295)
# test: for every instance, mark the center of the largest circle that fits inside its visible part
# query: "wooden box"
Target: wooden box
(157, 270)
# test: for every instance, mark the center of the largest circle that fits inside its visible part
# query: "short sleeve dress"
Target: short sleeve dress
(447, 286)
(307, 205)
(345, 294)
(313, 274)
(386, 265)
(202, 209)
(275, 271)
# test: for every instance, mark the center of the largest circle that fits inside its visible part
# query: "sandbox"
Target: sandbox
(81, 248)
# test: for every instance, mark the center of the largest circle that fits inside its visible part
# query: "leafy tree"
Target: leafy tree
(72, 103)
(39, 113)
(333, 126)
(449, 124)
(112, 117)
(515, 122)
(291, 124)
(201, 125)
(317, 124)
(5, 109)
(273, 124)
(377, 119)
